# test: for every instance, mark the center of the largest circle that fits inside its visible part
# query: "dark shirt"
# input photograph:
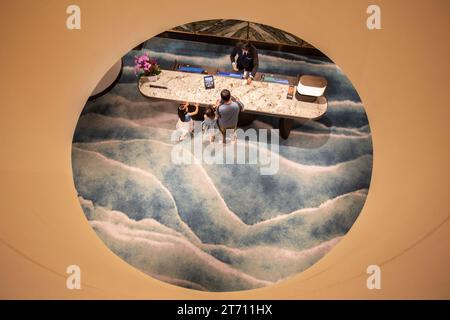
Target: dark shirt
(248, 62)
(199, 116)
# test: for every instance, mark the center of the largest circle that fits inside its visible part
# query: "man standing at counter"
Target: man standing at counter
(244, 57)
(228, 109)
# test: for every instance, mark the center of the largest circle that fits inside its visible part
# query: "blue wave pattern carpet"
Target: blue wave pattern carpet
(220, 227)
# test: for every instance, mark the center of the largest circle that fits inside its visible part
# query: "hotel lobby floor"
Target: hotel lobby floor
(220, 227)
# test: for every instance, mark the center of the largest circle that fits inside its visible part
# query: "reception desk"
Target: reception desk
(259, 97)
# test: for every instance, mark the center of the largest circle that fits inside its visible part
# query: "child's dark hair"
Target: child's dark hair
(210, 112)
(181, 113)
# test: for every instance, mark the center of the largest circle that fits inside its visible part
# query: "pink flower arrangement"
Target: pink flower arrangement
(145, 66)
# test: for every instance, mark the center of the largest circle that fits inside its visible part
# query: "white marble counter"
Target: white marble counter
(258, 97)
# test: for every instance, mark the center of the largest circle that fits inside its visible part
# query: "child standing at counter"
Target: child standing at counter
(209, 124)
(185, 125)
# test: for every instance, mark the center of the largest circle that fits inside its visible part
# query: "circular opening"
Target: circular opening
(292, 180)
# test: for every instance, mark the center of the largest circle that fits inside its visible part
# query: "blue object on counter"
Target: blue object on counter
(191, 69)
(276, 80)
(230, 74)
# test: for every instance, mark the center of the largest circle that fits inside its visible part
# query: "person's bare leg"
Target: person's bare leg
(233, 136)
(224, 135)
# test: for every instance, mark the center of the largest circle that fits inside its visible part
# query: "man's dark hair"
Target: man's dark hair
(225, 95)
(246, 45)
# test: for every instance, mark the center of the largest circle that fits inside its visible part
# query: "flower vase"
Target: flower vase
(144, 79)
(152, 78)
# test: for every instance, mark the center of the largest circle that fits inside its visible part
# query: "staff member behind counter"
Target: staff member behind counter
(244, 57)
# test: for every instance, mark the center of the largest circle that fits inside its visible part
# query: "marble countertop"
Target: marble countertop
(258, 97)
